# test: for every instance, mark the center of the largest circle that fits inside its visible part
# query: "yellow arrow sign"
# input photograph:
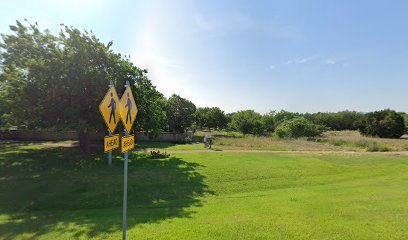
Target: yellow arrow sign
(109, 109)
(128, 109)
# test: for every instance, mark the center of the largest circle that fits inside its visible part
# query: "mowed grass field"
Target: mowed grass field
(55, 193)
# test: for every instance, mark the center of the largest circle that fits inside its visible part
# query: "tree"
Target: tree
(298, 127)
(405, 116)
(283, 115)
(60, 80)
(385, 124)
(268, 121)
(344, 120)
(151, 107)
(247, 121)
(179, 113)
(210, 118)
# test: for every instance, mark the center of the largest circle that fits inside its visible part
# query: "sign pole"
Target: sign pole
(125, 190)
(110, 153)
(125, 109)
(125, 173)
(110, 134)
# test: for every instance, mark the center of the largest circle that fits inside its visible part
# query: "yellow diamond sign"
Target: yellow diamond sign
(109, 109)
(128, 109)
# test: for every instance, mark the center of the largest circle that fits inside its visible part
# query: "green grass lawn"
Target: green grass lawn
(55, 193)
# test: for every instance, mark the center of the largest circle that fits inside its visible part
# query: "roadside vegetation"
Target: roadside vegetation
(330, 141)
(61, 79)
(58, 193)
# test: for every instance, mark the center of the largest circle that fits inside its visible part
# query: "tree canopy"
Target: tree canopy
(59, 80)
(384, 124)
(247, 121)
(210, 117)
(179, 113)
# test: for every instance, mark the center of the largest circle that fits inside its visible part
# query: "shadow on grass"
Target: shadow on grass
(50, 190)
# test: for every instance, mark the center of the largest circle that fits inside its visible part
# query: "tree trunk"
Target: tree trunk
(84, 140)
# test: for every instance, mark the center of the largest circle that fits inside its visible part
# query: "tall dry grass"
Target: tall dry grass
(355, 140)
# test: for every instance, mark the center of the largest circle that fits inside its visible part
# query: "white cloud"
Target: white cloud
(301, 60)
(272, 67)
(335, 61)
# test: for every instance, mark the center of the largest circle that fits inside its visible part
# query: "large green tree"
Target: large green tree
(58, 81)
(151, 107)
(179, 113)
(210, 117)
(247, 121)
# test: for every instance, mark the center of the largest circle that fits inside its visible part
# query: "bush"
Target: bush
(383, 124)
(372, 146)
(188, 140)
(299, 127)
(158, 155)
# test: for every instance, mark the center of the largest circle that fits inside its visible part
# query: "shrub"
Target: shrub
(372, 146)
(299, 127)
(384, 124)
(158, 155)
(188, 140)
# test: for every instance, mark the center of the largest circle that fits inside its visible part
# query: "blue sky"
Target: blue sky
(304, 56)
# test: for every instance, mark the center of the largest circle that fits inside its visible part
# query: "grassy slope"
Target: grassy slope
(48, 194)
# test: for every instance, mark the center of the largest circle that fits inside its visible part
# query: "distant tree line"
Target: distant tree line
(386, 123)
(52, 81)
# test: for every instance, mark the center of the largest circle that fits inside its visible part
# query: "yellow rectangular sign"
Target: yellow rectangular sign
(111, 143)
(128, 143)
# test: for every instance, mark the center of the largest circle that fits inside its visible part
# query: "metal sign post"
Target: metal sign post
(110, 134)
(112, 109)
(125, 173)
(110, 153)
(128, 112)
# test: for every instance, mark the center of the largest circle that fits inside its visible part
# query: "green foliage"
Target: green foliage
(283, 115)
(208, 117)
(268, 121)
(345, 120)
(158, 155)
(405, 116)
(59, 81)
(384, 124)
(188, 140)
(151, 107)
(298, 127)
(179, 113)
(372, 146)
(247, 121)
